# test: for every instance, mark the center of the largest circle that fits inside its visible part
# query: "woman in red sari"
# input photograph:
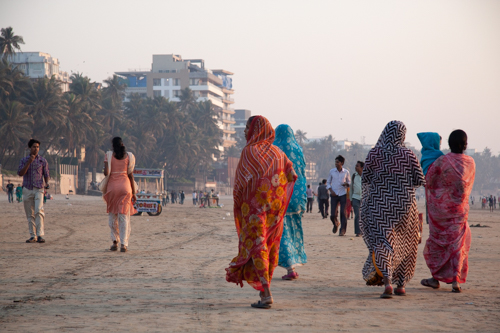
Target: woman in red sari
(449, 184)
(263, 187)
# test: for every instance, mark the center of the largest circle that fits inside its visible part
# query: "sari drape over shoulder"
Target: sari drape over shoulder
(292, 251)
(263, 187)
(389, 216)
(449, 183)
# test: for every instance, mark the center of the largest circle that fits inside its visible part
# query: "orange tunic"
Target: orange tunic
(119, 192)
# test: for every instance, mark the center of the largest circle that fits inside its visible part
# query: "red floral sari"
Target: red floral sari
(263, 187)
(449, 184)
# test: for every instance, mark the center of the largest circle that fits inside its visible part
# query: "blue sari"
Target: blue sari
(292, 252)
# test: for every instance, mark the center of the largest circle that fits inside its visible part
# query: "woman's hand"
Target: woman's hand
(134, 198)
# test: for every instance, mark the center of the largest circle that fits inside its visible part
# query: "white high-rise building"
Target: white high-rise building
(170, 74)
(38, 65)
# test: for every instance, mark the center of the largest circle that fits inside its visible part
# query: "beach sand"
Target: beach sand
(173, 278)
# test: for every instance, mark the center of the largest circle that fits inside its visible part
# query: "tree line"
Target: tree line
(180, 137)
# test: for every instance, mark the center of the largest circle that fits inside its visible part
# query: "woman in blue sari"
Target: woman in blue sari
(292, 252)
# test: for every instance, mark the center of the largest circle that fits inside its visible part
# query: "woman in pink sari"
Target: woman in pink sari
(449, 184)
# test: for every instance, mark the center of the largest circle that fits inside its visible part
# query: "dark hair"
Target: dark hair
(324, 181)
(361, 164)
(308, 186)
(340, 158)
(32, 142)
(457, 141)
(249, 121)
(118, 148)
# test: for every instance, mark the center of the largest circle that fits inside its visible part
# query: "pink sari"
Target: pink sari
(449, 184)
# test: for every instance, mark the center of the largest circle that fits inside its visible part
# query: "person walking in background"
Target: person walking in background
(263, 187)
(119, 192)
(338, 182)
(355, 195)
(19, 193)
(389, 215)
(323, 199)
(317, 197)
(449, 183)
(183, 196)
(310, 199)
(10, 191)
(490, 201)
(292, 253)
(195, 200)
(34, 169)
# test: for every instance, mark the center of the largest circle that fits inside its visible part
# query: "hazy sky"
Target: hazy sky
(344, 68)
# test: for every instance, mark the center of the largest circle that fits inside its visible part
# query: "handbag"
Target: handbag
(103, 185)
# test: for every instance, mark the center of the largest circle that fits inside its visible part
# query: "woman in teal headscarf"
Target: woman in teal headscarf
(430, 149)
(292, 252)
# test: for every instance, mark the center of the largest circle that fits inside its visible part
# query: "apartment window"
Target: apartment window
(166, 82)
(177, 82)
(177, 93)
(156, 82)
(166, 93)
(156, 93)
(194, 82)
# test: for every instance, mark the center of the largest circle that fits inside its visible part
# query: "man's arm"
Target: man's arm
(23, 169)
(329, 181)
(348, 180)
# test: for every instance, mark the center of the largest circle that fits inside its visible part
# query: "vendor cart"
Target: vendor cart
(149, 202)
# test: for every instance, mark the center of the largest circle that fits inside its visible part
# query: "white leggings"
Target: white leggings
(120, 227)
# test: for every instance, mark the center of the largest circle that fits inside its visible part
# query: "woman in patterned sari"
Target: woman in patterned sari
(389, 216)
(263, 187)
(292, 252)
(448, 186)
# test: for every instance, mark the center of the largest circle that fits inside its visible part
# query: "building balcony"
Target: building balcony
(228, 143)
(228, 110)
(229, 131)
(228, 100)
(227, 91)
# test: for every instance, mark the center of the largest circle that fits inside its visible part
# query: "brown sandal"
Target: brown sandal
(123, 248)
(425, 283)
(114, 247)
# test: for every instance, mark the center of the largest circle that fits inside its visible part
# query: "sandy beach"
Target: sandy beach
(173, 278)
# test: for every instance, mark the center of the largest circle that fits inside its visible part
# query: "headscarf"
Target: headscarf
(393, 136)
(430, 149)
(285, 140)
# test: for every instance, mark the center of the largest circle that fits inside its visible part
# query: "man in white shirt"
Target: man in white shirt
(338, 182)
(355, 195)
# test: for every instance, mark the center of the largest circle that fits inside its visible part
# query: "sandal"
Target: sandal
(123, 248)
(425, 283)
(456, 290)
(291, 276)
(264, 303)
(387, 292)
(400, 291)
(114, 247)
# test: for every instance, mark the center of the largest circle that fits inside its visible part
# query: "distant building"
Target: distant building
(241, 117)
(170, 74)
(470, 151)
(38, 65)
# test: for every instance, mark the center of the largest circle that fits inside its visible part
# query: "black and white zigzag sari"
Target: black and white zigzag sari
(389, 216)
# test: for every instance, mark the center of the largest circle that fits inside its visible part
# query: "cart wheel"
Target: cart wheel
(157, 213)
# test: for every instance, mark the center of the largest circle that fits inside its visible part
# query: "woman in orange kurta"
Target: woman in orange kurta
(119, 193)
(263, 187)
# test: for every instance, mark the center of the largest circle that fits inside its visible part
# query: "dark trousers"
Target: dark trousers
(11, 196)
(323, 207)
(355, 206)
(310, 204)
(333, 205)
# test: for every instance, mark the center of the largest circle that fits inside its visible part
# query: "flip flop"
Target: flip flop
(400, 291)
(425, 283)
(387, 293)
(260, 305)
(456, 290)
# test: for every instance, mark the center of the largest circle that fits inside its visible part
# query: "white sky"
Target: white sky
(344, 68)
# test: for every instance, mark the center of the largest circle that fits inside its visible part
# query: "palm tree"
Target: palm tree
(188, 101)
(13, 82)
(9, 42)
(77, 124)
(115, 89)
(15, 128)
(300, 136)
(46, 106)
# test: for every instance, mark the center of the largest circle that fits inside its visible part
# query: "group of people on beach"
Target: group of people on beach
(270, 198)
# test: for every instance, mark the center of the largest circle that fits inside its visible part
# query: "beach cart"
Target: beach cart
(149, 202)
